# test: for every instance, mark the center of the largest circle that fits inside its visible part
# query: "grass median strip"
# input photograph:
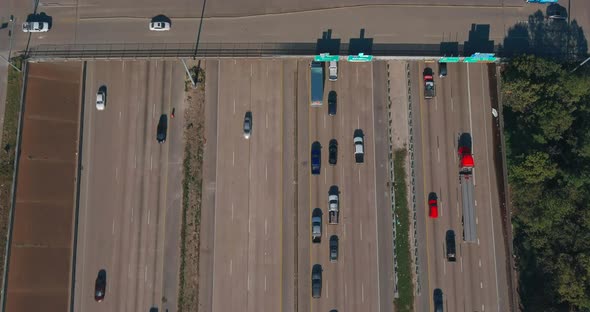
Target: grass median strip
(191, 203)
(405, 302)
(7, 157)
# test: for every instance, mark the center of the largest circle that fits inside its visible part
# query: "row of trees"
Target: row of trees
(547, 128)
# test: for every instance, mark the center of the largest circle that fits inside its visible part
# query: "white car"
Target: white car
(101, 98)
(159, 26)
(35, 27)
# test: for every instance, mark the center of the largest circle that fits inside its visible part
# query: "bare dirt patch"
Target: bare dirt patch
(192, 190)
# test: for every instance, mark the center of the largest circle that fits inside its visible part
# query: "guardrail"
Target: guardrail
(184, 50)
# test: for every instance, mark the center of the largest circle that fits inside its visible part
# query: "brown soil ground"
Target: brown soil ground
(193, 174)
(40, 259)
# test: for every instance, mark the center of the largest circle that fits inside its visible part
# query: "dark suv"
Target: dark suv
(162, 128)
(100, 286)
(332, 99)
(333, 248)
(316, 281)
(333, 152)
(451, 250)
(438, 300)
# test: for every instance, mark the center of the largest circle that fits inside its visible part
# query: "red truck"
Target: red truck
(466, 165)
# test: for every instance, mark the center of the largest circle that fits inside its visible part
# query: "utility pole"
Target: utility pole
(199, 32)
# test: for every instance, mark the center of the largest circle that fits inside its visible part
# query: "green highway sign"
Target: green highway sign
(449, 60)
(479, 59)
(325, 57)
(361, 57)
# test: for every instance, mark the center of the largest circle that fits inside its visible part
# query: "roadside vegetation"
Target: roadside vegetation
(7, 156)
(405, 302)
(188, 299)
(547, 118)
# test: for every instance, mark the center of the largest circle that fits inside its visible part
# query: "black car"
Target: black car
(333, 248)
(316, 158)
(438, 300)
(333, 152)
(451, 250)
(316, 281)
(100, 286)
(162, 128)
(442, 70)
(332, 97)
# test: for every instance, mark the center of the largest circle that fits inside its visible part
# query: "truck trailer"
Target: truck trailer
(466, 180)
(317, 83)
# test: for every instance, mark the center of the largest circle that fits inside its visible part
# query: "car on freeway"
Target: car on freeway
(451, 250)
(162, 129)
(442, 70)
(160, 26)
(359, 146)
(332, 101)
(316, 281)
(101, 98)
(432, 205)
(438, 300)
(35, 26)
(333, 69)
(333, 152)
(100, 286)
(316, 225)
(429, 88)
(333, 248)
(556, 12)
(247, 125)
(316, 158)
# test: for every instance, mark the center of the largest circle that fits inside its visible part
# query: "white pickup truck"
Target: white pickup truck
(333, 71)
(35, 27)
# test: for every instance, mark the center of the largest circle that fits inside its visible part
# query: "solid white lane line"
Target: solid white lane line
(363, 292)
(324, 121)
(149, 212)
(266, 120)
(361, 231)
(233, 158)
(151, 162)
(265, 283)
(480, 284)
(231, 262)
(135, 162)
(477, 240)
(480, 262)
(234, 106)
(120, 116)
(249, 225)
(438, 154)
(461, 264)
(358, 122)
(477, 220)
(325, 175)
(266, 227)
(251, 71)
(232, 211)
(117, 175)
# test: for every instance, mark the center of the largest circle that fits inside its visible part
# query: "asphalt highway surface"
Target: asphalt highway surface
(129, 222)
(477, 281)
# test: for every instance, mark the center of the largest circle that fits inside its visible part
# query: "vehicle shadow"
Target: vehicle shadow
(40, 17)
(161, 18)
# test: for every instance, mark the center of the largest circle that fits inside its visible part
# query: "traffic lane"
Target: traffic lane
(424, 292)
(492, 249)
(94, 218)
(265, 186)
(449, 183)
(384, 221)
(358, 191)
(172, 222)
(230, 260)
(303, 269)
(289, 179)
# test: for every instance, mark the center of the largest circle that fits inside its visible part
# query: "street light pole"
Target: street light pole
(199, 33)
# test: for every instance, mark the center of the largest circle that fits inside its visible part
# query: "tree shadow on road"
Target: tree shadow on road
(551, 37)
